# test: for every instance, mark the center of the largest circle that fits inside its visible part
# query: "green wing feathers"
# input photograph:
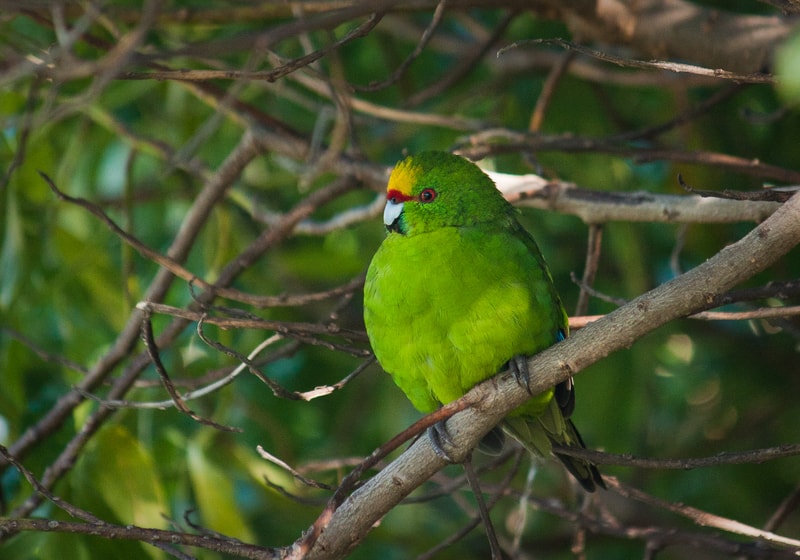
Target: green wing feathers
(537, 434)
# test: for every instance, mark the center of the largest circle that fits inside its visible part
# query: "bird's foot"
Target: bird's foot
(518, 365)
(440, 439)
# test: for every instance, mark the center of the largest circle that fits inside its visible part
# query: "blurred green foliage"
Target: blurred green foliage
(140, 148)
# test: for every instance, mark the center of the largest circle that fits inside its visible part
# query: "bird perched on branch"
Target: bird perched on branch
(458, 291)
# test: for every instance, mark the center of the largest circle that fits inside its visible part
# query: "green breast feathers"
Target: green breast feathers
(448, 308)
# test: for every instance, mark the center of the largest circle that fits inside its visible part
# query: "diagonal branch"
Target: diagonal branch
(346, 526)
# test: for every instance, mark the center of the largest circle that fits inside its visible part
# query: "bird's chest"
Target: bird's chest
(435, 281)
(448, 311)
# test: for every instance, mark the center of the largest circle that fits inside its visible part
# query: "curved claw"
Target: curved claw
(440, 439)
(519, 369)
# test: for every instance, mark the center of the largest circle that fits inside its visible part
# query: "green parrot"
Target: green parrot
(458, 291)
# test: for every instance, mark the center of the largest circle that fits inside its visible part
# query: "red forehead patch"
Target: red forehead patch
(396, 196)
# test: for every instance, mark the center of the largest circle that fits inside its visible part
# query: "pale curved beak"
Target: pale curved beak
(391, 213)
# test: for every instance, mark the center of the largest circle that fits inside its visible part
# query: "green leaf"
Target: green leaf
(787, 67)
(11, 252)
(118, 472)
(214, 491)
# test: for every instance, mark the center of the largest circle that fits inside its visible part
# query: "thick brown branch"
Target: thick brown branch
(597, 207)
(339, 530)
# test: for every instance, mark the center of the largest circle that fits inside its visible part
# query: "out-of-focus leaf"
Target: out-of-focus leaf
(787, 69)
(214, 491)
(118, 474)
(11, 252)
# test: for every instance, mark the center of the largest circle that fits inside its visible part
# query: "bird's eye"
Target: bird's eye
(427, 195)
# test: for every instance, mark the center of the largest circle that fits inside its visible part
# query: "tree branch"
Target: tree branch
(155, 537)
(752, 78)
(681, 30)
(597, 207)
(346, 526)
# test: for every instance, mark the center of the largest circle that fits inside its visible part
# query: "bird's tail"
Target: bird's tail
(538, 434)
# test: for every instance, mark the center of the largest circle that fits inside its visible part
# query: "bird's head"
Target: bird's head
(432, 190)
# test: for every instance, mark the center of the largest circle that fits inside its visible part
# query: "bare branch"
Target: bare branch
(703, 518)
(340, 528)
(752, 78)
(426, 36)
(548, 90)
(772, 195)
(282, 464)
(682, 30)
(597, 207)
(286, 328)
(152, 351)
(485, 143)
(763, 313)
(156, 537)
(727, 458)
(247, 75)
(593, 245)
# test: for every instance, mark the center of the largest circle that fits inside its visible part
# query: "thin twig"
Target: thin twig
(762, 313)
(283, 352)
(286, 300)
(593, 247)
(725, 458)
(522, 508)
(455, 484)
(42, 353)
(754, 78)
(768, 195)
(788, 505)
(277, 389)
(390, 114)
(467, 63)
(287, 328)
(282, 464)
(328, 389)
(152, 351)
(436, 19)
(548, 91)
(72, 510)
(475, 485)
(226, 545)
(702, 518)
